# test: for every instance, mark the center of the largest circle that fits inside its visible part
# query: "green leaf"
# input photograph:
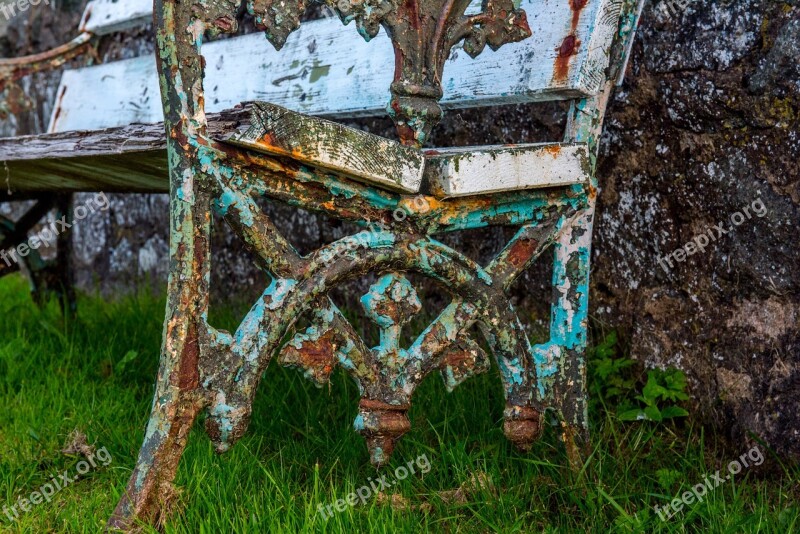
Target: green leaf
(675, 380)
(632, 415)
(653, 413)
(608, 347)
(675, 396)
(673, 411)
(652, 390)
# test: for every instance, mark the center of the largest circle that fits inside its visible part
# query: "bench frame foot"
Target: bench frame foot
(48, 278)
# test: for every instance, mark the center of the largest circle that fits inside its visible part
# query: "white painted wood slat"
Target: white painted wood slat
(460, 172)
(327, 69)
(102, 17)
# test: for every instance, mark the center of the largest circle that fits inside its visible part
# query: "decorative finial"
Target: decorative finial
(422, 31)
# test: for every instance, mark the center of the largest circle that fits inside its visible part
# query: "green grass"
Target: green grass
(96, 376)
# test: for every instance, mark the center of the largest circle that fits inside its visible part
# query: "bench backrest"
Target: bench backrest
(327, 69)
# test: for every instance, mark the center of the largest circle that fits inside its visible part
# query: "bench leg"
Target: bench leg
(178, 400)
(575, 249)
(179, 396)
(150, 492)
(54, 277)
(47, 278)
(561, 363)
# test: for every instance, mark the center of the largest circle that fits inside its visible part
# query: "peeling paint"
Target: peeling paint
(205, 369)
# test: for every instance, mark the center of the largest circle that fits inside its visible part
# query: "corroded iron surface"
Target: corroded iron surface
(207, 369)
(12, 69)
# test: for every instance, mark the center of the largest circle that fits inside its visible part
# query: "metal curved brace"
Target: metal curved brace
(276, 254)
(12, 69)
(262, 331)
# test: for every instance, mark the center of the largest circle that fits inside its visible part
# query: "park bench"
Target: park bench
(246, 121)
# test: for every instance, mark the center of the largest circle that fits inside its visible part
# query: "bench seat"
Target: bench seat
(106, 131)
(133, 158)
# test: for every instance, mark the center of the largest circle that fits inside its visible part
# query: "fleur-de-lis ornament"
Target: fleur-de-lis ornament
(422, 31)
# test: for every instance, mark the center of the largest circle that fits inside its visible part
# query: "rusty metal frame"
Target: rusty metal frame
(53, 277)
(48, 278)
(207, 369)
(12, 69)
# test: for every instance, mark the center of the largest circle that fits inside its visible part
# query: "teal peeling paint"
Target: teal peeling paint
(388, 374)
(221, 413)
(358, 424)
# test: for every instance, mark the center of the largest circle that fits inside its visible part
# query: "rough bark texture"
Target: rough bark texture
(705, 125)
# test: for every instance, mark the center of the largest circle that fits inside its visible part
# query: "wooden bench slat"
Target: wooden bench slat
(330, 146)
(130, 159)
(102, 17)
(327, 69)
(460, 172)
(133, 159)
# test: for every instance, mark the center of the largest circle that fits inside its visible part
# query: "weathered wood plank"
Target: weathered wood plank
(112, 142)
(108, 96)
(328, 69)
(133, 159)
(327, 145)
(460, 172)
(102, 17)
(141, 172)
(130, 159)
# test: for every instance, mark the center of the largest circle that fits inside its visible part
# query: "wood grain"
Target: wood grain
(330, 146)
(133, 159)
(460, 172)
(327, 69)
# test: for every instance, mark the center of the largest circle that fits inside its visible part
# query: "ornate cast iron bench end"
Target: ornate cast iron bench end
(206, 369)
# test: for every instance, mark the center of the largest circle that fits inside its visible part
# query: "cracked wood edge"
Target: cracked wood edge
(460, 172)
(345, 151)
